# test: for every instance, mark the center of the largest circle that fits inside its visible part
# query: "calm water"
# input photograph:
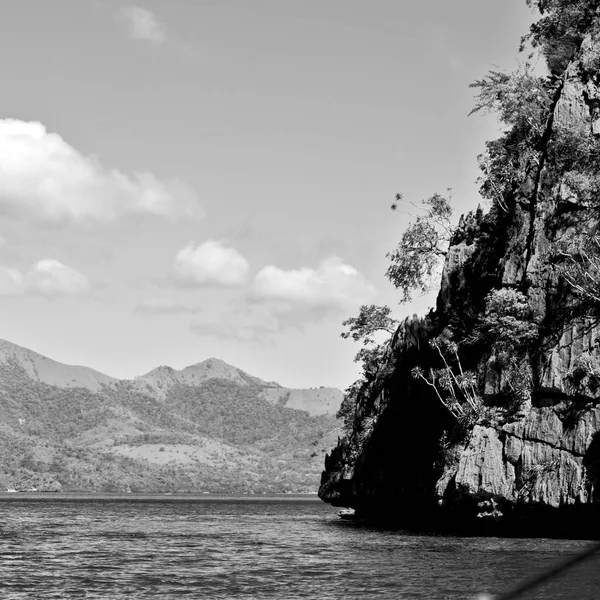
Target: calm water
(267, 548)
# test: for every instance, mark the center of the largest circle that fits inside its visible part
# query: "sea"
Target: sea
(203, 547)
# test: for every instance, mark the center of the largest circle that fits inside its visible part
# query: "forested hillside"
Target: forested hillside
(215, 431)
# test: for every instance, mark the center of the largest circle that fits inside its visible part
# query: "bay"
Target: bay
(170, 547)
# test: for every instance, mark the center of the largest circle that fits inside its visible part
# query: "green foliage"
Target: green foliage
(580, 267)
(413, 264)
(347, 410)
(584, 377)
(507, 330)
(507, 320)
(573, 149)
(574, 155)
(371, 358)
(532, 159)
(522, 102)
(415, 260)
(370, 320)
(520, 99)
(455, 388)
(55, 438)
(561, 29)
(507, 327)
(238, 415)
(590, 59)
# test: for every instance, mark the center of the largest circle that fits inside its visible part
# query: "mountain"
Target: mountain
(159, 381)
(321, 401)
(485, 413)
(49, 371)
(163, 378)
(208, 427)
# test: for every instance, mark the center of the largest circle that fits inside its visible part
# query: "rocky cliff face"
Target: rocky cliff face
(511, 458)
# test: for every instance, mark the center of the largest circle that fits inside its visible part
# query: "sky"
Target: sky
(212, 178)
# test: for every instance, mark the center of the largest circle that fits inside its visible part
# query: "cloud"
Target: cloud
(332, 285)
(158, 305)
(51, 277)
(47, 277)
(243, 324)
(241, 331)
(43, 176)
(282, 301)
(142, 24)
(210, 263)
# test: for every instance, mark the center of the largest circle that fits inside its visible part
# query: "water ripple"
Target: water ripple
(244, 549)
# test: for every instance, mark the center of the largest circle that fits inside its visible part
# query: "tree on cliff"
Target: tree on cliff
(371, 321)
(561, 30)
(422, 247)
(535, 156)
(532, 159)
(414, 263)
(518, 305)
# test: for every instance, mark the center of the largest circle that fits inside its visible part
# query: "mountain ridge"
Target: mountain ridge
(207, 427)
(48, 370)
(211, 368)
(158, 380)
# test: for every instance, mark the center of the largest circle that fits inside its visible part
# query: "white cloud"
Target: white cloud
(142, 24)
(51, 277)
(42, 175)
(47, 277)
(280, 301)
(210, 263)
(333, 284)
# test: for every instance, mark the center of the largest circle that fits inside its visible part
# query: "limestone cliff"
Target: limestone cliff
(528, 450)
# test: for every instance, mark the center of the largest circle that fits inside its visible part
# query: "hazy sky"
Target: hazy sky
(192, 178)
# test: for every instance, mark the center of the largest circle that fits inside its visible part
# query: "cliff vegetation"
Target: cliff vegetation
(487, 410)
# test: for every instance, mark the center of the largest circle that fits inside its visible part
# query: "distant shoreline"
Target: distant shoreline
(155, 496)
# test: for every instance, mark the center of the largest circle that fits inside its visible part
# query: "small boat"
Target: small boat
(347, 513)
